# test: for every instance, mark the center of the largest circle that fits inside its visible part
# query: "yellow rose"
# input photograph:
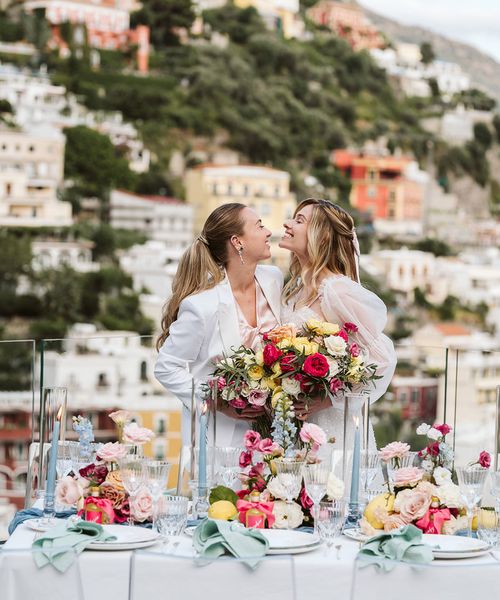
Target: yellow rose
(277, 369)
(286, 343)
(255, 372)
(322, 327)
(302, 344)
(268, 383)
(259, 358)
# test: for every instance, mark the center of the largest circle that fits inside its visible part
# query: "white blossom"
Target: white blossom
(290, 386)
(335, 345)
(288, 516)
(423, 429)
(335, 487)
(442, 476)
(434, 434)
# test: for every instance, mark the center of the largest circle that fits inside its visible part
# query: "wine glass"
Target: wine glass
(289, 473)
(370, 467)
(132, 474)
(488, 526)
(228, 465)
(172, 514)
(331, 518)
(495, 487)
(64, 462)
(156, 477)
(316, 481)
(471, 480)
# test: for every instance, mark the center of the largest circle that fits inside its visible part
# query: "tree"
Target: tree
(496, 125)
(427, 53)
(164, 17)
(15, 259)
(434, 87)
(434, 246)
(482, 135)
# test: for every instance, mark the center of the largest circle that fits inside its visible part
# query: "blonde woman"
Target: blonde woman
(221, 298)
(324, 284)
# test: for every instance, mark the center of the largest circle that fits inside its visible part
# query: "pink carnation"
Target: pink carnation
(354, 350)
(485, 459)
(444, 428)
(252, 439)
(343, 335)
(394, 450)
(311, 433)
(407, 476)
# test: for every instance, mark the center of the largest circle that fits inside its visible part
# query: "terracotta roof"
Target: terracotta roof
(452, 329)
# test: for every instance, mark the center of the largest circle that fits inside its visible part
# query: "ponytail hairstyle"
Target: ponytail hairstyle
(332, 244)
(201, 266)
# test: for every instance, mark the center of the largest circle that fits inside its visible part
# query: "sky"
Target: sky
(475, 22)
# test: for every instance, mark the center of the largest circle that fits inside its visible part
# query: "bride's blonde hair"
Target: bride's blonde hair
(201, 267)
(330, 246)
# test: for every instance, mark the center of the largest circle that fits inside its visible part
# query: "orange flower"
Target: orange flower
(280, 333)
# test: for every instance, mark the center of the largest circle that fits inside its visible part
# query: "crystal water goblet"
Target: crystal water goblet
(370, 468)
(228, 465)
(156, 476)
(471, 480)
(495, 487)
(132, 474)
(289, 473)
(488, 526)
(316, 482)
(331, 518)
(172, 515)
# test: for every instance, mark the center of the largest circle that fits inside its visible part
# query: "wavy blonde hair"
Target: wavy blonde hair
(330, 246)
(201, 267)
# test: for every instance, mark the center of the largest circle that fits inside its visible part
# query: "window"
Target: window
(31, 148)
(246, 190)
(415, 397)
(8, 189)
(102, 380)
(214, 189)
(372, 174)
(372, 191)
(144, 371)
(265, 209)
(230, 189)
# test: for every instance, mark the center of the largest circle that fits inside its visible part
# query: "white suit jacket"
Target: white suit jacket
(207, 328)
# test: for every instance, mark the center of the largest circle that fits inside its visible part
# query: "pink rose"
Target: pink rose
(271, 354)
(311, 433)
(142, 506)
(335, 385)
(394, 521)
(245, 458)
(316, 365)
(412, 504)
(120, 417)
(251, 439)
(343, 335)
(350, 327)
(112, 452)
(267, 446)
(394, 450)
(69, 490)
(257, 397)
(485, 459)
(237, 403)
(136, 435)
(407, 476)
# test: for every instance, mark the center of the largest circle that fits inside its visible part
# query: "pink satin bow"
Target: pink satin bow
(433, 520)
(266, 507)
(103, 504)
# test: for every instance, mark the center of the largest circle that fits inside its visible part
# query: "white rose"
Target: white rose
(335, 487)
(288, 516)
(442, 476)
(423, 429)
(290, 386)
(335, 345)
(334, 366)
(434, 434)
(276, 488)
(449, 495)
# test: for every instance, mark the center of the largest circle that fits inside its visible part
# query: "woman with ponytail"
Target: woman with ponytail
(324, 284)
(221, 298)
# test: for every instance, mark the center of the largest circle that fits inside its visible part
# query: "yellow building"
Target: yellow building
(264, 189)
(280, 15)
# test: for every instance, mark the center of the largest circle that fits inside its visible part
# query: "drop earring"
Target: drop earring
(240, 254)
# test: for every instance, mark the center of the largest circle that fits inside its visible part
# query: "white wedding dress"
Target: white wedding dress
(342, 300)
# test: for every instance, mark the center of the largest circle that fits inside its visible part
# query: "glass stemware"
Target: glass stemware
(495, 487)
(471, 480)
(132, 474)
(156, 476)
(331, 518)
(228, 465)
(171, 518)
(488, 526)
(316, 481)
(289, 473)
(370, 467)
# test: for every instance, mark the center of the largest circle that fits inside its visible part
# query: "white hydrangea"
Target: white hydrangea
(434, 434)
(335, 487)
(288, 516)
(290, 386)
(442, 476)
(449, 495)
(335, 345)
(423, 429)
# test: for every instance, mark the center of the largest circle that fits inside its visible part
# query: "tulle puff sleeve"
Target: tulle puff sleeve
(343, 300)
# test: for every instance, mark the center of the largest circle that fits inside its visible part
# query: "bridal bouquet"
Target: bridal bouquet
(423, 495)
(97, 489)
(322, 359)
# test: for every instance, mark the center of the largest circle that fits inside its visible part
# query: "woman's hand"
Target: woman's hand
(249, 413)
(305, 408)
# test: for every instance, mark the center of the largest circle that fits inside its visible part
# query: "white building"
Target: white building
(52, 254)
(31, 169)
(159, 218)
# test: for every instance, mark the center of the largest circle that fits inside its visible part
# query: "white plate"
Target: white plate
(282, 541)
(37, 524)
(356, 534)
(127, 538)
(455, 546)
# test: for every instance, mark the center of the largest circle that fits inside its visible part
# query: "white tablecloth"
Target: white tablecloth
(317, 575)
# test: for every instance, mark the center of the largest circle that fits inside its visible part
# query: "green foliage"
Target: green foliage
(239, 25)
(427, 53)
(123, 313)
(48, 329)
(163, 17)
(476, 99)
(483, 135)
(15, 259)
(495, 197)
(5, 107)
(434, 87)
(15, 366)
(434, 246)
(420, 298)
(222, 493)
(448, 309)
(496, 126)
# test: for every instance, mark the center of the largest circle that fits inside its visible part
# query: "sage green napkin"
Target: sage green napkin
(61, 545)
(213, 538)
(404, 544)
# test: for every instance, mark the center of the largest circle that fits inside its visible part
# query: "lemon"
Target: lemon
(223, 510)
(384, 502)
(487, 518)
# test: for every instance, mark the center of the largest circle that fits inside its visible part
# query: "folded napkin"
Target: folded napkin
(61, 544)
(213, 538)
(35, 513)
(404, 544)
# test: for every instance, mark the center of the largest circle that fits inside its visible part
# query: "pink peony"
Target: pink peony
(112, 452)
(407, 476)
(394, 521)
(252, 439)
(69, 490)
(412, 504)
(245, 458)
(350, 327)
(394, 450)
(120, 417)
(311, 433)
(136, 435)
(142, 506)
(267, 446)
(257, 397)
